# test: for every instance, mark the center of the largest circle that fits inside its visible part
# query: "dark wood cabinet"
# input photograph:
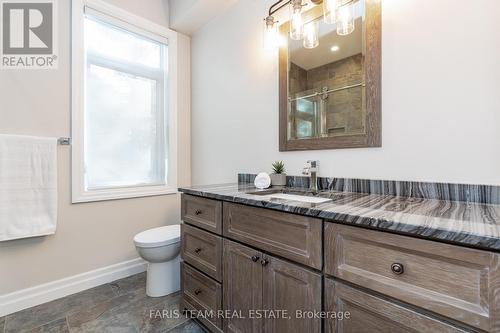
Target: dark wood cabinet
(294, 289)
(354, 311)
(255, 282)
(202, 250)
(262, 267)
(242, 287)
(452, 281)
(201, 293)
(294, 237)
(202, 212)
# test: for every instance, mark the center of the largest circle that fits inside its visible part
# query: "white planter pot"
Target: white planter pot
(278, 179)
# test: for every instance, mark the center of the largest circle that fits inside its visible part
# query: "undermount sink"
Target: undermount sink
(297, 196)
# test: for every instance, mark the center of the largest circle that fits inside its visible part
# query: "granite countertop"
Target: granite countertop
(464, 223)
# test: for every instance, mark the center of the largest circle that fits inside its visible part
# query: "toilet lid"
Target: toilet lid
(159, 236)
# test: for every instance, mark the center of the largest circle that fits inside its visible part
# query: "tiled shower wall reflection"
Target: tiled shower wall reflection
(344, 109)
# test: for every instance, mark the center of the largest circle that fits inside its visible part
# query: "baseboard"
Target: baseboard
(25, 298)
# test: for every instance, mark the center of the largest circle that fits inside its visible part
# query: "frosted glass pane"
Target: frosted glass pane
(112, 42)
(304, 129)
(306, 106)
(123, 145)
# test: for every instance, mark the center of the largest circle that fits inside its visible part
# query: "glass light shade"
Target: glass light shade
(311, 35)
(345, 19)
(330, 11)
(296, 24)
(271, 35)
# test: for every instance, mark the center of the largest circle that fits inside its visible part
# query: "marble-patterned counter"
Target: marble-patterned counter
(471, 224)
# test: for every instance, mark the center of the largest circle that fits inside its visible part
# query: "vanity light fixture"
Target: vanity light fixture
(339, 12)
(271, 35)
(311, 35)
(296, 23)
(330, 11)
(334, 48)
(345, 18)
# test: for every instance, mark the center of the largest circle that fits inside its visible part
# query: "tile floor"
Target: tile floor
(118, 307)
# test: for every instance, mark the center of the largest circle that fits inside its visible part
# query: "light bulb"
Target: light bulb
(296, 24)
(271, 36)
(311, 35)
(345, 19)
(330, 11)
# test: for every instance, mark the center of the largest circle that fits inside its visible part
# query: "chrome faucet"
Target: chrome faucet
(312, 170)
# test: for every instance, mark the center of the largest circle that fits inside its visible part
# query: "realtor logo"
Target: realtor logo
(28, 34)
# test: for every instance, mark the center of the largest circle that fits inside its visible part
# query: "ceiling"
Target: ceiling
(188, 16)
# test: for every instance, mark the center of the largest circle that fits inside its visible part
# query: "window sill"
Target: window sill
(122, 193)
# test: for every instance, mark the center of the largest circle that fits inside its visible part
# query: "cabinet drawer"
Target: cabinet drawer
(453, 281)
(202, 212)
(371, 314)
(294, 237)
(202, 250)
(201, 293)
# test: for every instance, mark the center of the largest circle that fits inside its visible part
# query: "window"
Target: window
(121, 106)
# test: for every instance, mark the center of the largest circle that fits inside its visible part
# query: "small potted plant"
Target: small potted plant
(278, 177)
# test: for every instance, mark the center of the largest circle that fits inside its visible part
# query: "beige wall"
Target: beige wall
(440, 99)
(89, 235)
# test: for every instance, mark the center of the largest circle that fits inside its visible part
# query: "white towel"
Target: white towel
(28, 186)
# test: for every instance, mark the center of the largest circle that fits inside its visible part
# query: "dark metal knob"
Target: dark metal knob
(264, 262)
(197, 250)
(197, 212)
(397, 268)
(255, 258)
(197, 291)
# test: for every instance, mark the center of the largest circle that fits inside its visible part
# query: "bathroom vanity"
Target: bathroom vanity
(356, 263)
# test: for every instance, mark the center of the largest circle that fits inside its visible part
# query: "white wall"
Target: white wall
(441, 99)
(154, 10)
(90, 235)
(187, 16)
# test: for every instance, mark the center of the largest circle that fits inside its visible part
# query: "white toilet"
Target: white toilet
(160, 247)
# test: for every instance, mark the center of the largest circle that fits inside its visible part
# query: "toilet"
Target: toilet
(160, 247)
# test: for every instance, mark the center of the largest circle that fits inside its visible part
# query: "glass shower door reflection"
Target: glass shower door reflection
(303, 118)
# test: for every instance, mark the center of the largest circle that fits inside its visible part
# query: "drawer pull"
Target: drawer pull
(197, 291)
(197, 212)
(397, 268)
(197, 250)
(255, 258)
(264, 262)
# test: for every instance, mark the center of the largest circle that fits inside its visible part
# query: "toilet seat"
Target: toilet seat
(159, 236)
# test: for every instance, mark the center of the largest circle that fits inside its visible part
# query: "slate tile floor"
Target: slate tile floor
(118, 307)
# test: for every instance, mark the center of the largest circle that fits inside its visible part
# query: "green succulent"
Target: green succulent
(278, 167)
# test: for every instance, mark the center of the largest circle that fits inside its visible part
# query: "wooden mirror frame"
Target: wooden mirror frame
(372, 66)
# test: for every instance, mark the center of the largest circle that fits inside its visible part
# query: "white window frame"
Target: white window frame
(141, 26)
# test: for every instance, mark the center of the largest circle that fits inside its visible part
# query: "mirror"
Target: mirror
(330, 94)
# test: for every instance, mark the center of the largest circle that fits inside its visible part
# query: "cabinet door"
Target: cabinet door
(359, 312)
(242, 276)
(289, 287)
